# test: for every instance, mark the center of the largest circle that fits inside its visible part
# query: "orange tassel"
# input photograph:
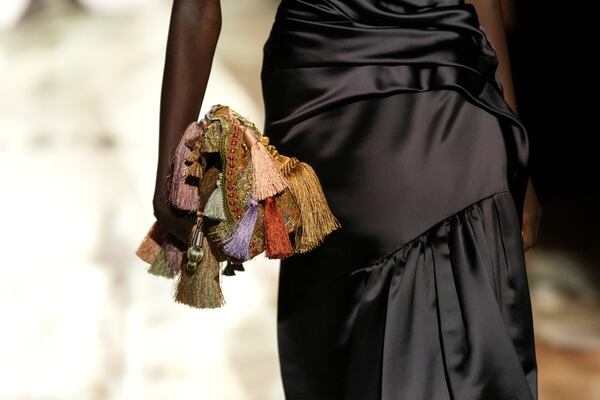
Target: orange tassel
(277, 239)
(149, 248)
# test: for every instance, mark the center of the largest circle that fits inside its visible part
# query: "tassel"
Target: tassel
(317, 221)
(173, 256)
(207, 186)
(238, 267)
(149, 248)
(160, 266)
(267, 179)
(237, 244)
(196, 170)
(229, 269)
(277, 239)
(214, 207)
(213, 238)
(199, 281)
(182, 195)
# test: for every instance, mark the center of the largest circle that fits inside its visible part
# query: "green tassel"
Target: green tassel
(160, 266)
(214, 208)
(199, 281)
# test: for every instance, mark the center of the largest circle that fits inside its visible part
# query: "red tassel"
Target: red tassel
(277, 239)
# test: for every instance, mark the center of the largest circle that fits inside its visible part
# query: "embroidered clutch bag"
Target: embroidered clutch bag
(247, 199)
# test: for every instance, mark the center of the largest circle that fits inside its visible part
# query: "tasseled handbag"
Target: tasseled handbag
(248, 199)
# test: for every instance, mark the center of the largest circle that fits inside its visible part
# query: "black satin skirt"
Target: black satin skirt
(423, 293)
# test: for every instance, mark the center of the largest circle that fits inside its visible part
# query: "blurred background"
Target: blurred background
(79, 97)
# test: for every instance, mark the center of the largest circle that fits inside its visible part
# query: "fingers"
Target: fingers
(179, 225)
(528, 240)
(530, 229)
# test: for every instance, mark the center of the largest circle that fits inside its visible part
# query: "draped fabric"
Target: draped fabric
(422, 294)
(445, 316)
(327, 52)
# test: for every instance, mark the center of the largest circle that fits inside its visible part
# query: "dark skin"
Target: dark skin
(491, 19)
(193, 35)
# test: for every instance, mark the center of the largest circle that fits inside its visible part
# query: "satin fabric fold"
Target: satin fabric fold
(323, 57)
(439, 319)
(446, 316)
(391, 167)
(309, 34)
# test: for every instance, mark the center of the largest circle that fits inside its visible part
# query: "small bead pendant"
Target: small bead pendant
(195, 252)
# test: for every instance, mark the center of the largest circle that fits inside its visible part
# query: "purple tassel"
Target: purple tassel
(237, 244)
(173, 255)
(181, 194)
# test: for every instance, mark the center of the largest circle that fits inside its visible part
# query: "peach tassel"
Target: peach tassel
(267, 178)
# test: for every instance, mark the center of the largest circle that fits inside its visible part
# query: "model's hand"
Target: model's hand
(179, 224)
(193, 33)
(532, 214)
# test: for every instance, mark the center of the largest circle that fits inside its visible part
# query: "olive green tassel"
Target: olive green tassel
(199, 280)
(317, 220)
(214, 208)
(160, 266)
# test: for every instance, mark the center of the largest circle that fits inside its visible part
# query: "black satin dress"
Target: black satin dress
(423, 293)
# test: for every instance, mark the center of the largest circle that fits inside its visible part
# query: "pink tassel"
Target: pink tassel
(173, 255)
(183, 195)
(267, 179)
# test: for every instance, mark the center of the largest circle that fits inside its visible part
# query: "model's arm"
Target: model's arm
(491, 20)
(193, 34)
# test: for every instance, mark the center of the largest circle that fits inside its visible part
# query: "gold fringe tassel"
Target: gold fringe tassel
(199, 285)
(317, 220)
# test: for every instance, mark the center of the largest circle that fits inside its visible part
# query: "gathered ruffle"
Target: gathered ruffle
(445, 316)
